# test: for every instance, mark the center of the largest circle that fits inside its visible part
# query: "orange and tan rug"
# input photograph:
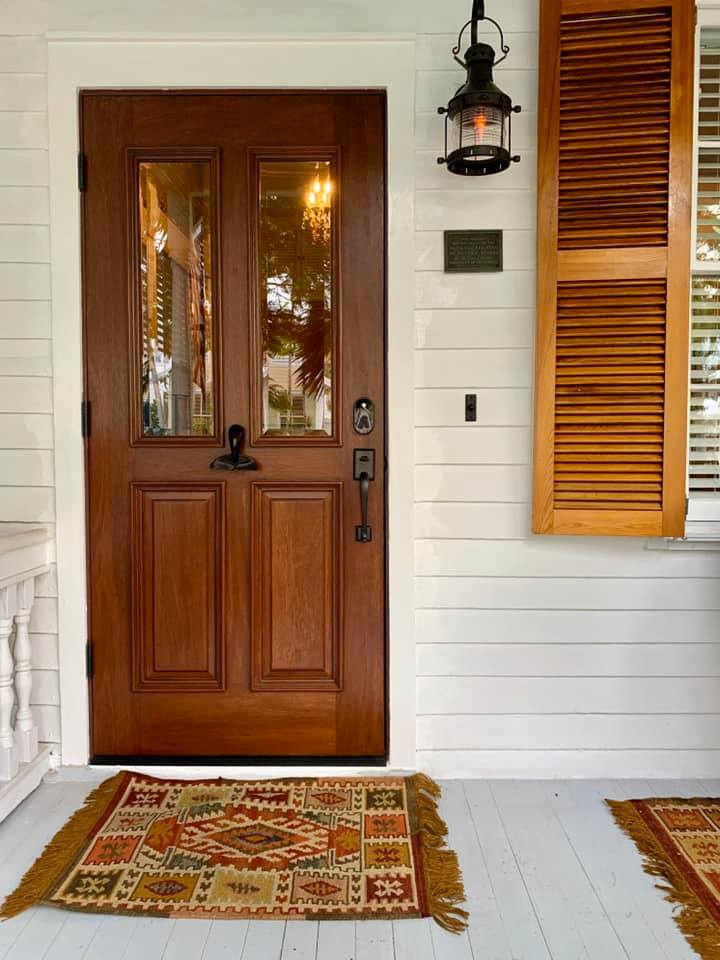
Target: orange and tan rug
(680, 842)
(315, 849)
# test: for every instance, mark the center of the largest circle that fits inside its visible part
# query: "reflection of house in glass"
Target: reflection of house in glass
(296, 302)
(303, 413)
(176, 273)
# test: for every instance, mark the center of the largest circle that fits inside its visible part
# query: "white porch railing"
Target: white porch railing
(25, 554)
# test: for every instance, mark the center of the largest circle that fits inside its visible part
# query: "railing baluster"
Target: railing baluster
(8, 754)
(25, 730)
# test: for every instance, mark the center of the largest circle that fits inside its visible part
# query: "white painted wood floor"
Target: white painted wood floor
(547, 874)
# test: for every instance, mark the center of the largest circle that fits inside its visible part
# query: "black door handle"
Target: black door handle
(236, 459)
(364, 472)
(363, 533)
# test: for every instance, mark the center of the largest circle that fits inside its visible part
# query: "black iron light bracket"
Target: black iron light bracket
(478, 15)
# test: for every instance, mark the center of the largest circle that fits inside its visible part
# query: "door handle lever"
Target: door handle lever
(364, 472)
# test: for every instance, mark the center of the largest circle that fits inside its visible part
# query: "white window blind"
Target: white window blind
(704, 471)
(704, 445)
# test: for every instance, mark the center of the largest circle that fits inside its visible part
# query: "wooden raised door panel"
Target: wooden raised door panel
(614, 188)
(179, 561)
(297, 580)
(232, 614)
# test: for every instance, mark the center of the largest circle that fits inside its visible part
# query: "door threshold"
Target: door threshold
(169, 761)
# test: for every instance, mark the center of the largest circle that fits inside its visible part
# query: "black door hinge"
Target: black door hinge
(89, 665)
(82, 171)
(85, 418)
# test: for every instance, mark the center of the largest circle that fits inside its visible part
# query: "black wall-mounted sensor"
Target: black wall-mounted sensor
(470, 407)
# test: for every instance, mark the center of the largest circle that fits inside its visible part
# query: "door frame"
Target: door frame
(244, 62)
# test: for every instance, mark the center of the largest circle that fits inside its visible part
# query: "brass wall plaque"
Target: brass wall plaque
(473, 251)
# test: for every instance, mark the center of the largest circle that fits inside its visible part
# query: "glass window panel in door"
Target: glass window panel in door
(177, 285)
(296, 297)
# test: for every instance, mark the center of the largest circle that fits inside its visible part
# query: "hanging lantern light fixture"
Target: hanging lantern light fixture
(478, 117)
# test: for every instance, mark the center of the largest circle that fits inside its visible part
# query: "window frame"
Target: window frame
(702, 521)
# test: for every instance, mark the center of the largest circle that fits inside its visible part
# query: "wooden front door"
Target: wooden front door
(233, 250)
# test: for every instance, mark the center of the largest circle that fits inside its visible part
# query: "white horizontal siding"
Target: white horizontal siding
(567, 626)
(476, 657)
(27, 318)
(579, 557)
(21, 468)
(455, 445)
(473, 368)
(21, 243)
(24, 205)
(25, 395)
(23, 55)
(23, 168)
(572, 695)
(477, 482)
(23, 130)
(27, 504)
(497, 209)
(28, 358)
(556, 732)
(26, 431)
(573, 593)
(23, 92)
(453, 329)
(486, 521)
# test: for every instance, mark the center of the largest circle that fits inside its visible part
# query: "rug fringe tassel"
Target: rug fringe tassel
(445, 890)
(48, 868)
(699, 929)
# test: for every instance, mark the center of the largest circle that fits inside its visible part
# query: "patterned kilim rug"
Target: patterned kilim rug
(680, 842)
(355, 849)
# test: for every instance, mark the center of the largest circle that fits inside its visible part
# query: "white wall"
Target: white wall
(536, 656)
(26, 427)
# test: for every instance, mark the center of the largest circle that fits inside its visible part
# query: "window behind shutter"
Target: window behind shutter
(614, 190)
(704, 472)
(704, 465)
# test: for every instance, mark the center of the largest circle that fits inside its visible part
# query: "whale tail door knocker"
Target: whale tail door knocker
(236, 459)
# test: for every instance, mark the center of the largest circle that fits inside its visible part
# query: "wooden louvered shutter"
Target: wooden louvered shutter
(615, 123)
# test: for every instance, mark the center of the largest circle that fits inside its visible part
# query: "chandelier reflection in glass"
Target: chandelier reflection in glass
(318, 204)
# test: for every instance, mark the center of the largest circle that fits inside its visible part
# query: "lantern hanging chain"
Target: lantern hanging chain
(478, 14)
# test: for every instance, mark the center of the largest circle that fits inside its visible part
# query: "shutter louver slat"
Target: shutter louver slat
(615, 143)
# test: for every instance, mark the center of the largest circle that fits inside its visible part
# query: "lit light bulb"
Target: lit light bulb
(316, 185)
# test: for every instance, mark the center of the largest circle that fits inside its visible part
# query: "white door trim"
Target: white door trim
(166, 62)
